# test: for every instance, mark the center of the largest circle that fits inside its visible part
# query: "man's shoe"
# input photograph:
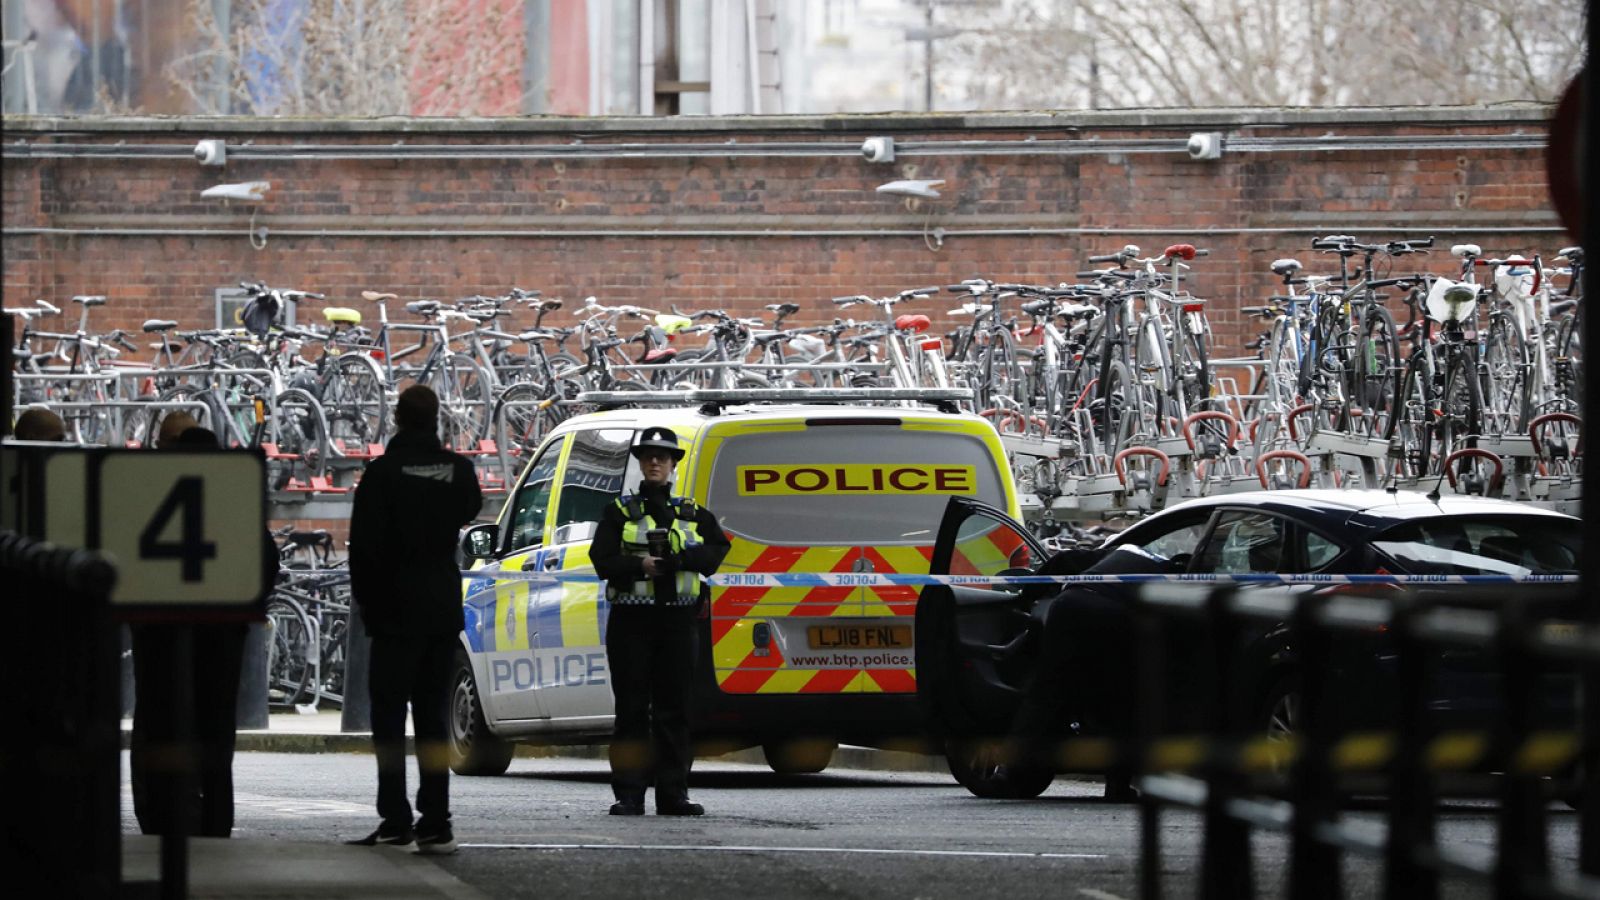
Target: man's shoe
(387, 836)
(679, 807)
(436, 843)
(627, 808)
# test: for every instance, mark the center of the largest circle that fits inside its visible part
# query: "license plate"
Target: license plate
(858, 637)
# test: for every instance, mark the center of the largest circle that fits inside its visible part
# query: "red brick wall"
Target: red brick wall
(1257, 205)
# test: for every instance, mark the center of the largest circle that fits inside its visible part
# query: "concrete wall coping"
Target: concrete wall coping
(1510, 114)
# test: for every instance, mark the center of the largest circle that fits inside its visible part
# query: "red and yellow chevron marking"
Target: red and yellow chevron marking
(735, 611)
(989, 553)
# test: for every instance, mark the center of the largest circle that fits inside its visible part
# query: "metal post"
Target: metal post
(355, 714)
(254, 678)
(1524, 845)
(1225, 867)
(1313, 864)
(1411, 792)
(1148, 706)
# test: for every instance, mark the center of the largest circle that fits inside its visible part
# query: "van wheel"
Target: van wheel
(972, 762)
(473, 749)
(802, 757)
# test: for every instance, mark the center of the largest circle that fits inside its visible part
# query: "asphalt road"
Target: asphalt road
(541, 831)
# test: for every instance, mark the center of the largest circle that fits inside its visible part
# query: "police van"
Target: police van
(809, 487)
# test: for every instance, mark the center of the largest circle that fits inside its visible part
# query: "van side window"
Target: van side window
(593, 478)
(533, 500)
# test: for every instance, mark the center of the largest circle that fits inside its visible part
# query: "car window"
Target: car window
(986, 545)
(593, 478)
(1244, 542)
(1319, 551)
(533, 500)
(1483, 545)
(1164, 545)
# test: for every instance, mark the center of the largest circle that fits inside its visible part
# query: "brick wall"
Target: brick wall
(740, 231)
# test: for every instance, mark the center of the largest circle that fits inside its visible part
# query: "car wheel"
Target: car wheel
(473, 749)
(802, 757)
(974, 764)
(1280, 714)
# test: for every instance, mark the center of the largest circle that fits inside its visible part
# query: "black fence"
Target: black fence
(1526, 749)
(59, 764)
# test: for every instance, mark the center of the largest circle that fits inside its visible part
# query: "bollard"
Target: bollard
(254, 674)
(356, 714)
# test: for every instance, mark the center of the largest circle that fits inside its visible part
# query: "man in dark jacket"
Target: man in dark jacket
(651, 548)
(409, 508)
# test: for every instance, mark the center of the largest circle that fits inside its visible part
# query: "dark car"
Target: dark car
(1035, 665)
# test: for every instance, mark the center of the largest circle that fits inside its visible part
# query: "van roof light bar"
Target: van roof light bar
(712, 401)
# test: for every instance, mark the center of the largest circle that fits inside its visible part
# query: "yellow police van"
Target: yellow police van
(809, 487)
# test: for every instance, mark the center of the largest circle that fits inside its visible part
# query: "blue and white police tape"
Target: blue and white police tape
(870, 579)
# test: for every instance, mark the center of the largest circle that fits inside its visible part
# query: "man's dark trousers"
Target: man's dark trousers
(154, 757)
(416, 669)
(651, 652)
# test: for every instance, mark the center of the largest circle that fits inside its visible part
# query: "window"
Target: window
(593, 478)
(847, 484)
(1164, 547)
(1319, 550)
(533, 500)
(1244, 543)
(1498, 545)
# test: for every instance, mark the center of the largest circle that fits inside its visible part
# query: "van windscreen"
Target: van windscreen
(857, 484)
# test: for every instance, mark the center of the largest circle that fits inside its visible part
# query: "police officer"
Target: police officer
(651, 548)
(409, 507)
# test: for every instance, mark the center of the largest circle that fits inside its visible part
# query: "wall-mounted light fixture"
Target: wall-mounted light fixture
(915, 190)
(251, 192)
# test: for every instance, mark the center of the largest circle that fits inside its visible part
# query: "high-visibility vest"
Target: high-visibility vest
(683, 532)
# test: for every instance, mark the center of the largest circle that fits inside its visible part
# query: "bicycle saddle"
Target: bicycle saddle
(342, 315)
(787, 309)
(912, 322)
(89, 300)
(422, 307)
(155, 325)
(376, 297)
(1286, 266)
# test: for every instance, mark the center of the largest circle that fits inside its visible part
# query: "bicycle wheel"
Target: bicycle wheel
(1281, 374)
(289, 669)
(464, 400)
(299, 431)
(355, 402)
(1376, 353)
(1569, 361)
(1505, 377)
(1155, 398)
(1460, 409)
(518, 423)
(1114, 399)
(1410, 429)
(1193, 368)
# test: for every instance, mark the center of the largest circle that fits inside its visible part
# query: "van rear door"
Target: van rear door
(846, 493)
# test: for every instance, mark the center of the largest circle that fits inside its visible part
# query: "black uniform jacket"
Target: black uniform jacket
(410, 507)
(620, 568)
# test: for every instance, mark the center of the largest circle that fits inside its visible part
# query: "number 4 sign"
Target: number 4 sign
(185, 529)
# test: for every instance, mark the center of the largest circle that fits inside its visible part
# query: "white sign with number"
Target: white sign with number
(185, 529)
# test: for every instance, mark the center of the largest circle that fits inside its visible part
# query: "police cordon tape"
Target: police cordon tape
(871, 579)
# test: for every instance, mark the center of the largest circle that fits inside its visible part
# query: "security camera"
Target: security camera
(878, 149)
(211, 152)
(1205, 145)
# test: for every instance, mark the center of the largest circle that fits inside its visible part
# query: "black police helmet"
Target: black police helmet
(658, 438)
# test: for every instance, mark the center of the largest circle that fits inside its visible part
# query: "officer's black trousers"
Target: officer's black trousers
(156, 760)
(651, 651)
(418, 670)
